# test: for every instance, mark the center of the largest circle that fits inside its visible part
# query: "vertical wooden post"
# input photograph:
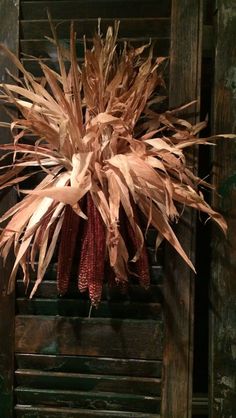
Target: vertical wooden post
(185, 73)
(9, 35)
(223, 280)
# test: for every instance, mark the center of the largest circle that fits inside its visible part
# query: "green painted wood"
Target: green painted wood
(87, 382)
(185, 65)
(91, 365)
(89, 9)
(81, 308)
(90, 400)
(9, 17)
(223, 285)
(27, 411)
(89, 336)
(154, 26)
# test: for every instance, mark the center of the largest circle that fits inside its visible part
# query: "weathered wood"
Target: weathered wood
(85, 364)
(93, 337)
(223, 284)
(75, 307)
(94, 9)
(135, 293)
(185, 64)
(48, 412)
(9, 16)
(87, 382)
(154, 26)
(91, 400)
(200, 408)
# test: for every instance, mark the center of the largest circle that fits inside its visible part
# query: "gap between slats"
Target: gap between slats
(73, 307)
(91, 8)
(151, 27)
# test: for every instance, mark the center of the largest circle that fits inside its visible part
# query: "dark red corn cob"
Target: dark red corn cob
(92, 259)
(142, 264)
(95, 285)
(68, 238)
(84, 264)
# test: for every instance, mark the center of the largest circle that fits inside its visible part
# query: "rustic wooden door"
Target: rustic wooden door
(133, 356)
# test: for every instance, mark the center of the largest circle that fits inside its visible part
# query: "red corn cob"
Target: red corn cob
(95, 285)
(142, 266)
(69, 233)
(84, 264)
(91, 268)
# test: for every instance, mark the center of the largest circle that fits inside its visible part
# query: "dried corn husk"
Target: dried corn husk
(96, 131)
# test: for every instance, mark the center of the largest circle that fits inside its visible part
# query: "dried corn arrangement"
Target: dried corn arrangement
(109, 158)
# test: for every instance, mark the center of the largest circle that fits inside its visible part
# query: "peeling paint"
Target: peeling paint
(230, 84)
(228, 13)
(233, 350)
(225, 190)
(228, 382)
(230, 80)
(50, 348)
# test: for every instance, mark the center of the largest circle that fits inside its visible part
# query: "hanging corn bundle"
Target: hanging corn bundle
(106, 154)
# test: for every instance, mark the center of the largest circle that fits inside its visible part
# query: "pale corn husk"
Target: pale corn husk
(95, 130)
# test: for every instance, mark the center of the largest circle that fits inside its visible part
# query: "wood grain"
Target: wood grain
(141, 339)
(185, 64)
(223, 284)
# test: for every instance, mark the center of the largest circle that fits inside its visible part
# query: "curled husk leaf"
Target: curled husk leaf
(94, 130)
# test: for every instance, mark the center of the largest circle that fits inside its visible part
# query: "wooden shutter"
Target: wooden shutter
(69, 365)
(109, 364)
